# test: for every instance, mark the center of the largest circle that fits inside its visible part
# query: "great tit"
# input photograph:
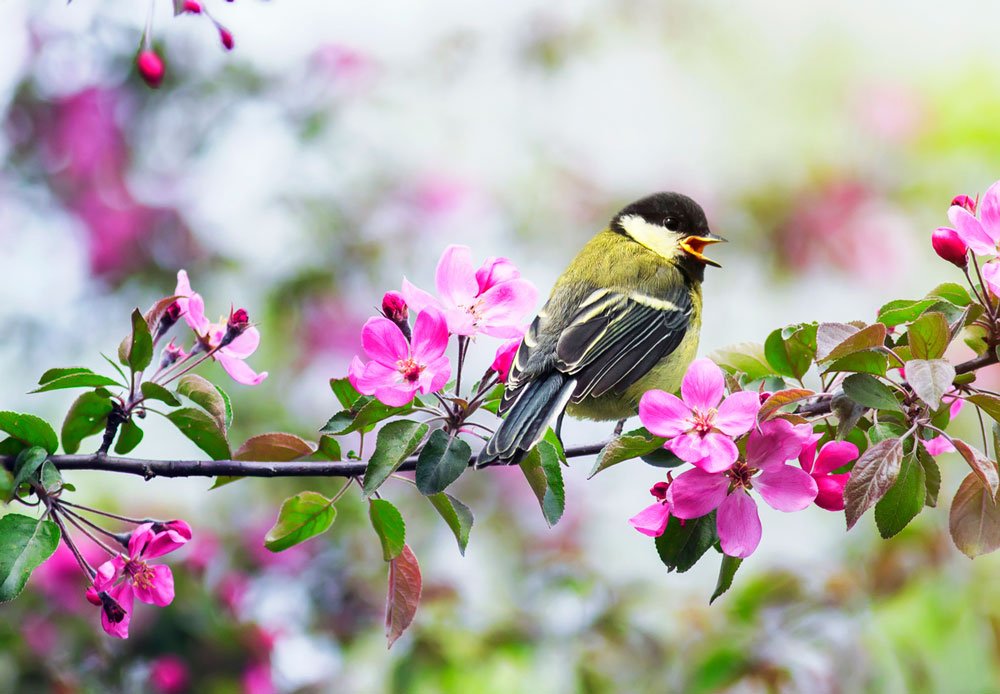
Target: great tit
(622, 319)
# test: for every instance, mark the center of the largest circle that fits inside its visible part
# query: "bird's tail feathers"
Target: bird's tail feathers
(530, 415)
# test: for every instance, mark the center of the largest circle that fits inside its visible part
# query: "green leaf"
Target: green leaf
(542, 470)
(872, 476)
(932, 476)
(990, 404)
(626, 447)
(76, 380)
(903, 311)
(29, 430)
(952, 292)
(662, 458)
(345, 393)
(929, 336)
(26, 466)
(457, 515)
(492, 401)
(301, 517)
(405, 585)
(274, 447)
(837, 340)
(781, 399)
(904, 500)
(50, 478)
(88, 415)
(24, 544)
(329, 447)
(203, 393)
(443, 459)
(930, 379)
(683, 543)
(227, 404)
(974, 519)
(848, 414)
(129, 436)
(154, 391)
(53, 374)
(982, 467)
(726, 573)
(869, 391)
(747, 358)
(370, 413)
(395, 443)
(203, 430)
(792, 355)
(861, 362)
(389, 527)
(137, 351)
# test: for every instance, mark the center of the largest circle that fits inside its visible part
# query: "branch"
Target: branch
(239, 468)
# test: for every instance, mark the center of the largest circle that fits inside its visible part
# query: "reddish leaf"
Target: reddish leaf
(276, 447)
(982, 467)
(778, 400)
(404, 594)
(872, 476)
(974, 519)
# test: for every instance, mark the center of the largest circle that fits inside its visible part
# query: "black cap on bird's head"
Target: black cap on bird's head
(670, 224)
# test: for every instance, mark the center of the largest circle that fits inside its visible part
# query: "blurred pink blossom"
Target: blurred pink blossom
(60, 577)
(169, 674)
(257, 679)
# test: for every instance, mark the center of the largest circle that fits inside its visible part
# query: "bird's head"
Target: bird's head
(669, 224)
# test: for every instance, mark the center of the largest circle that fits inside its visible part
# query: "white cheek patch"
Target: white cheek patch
(656, 238)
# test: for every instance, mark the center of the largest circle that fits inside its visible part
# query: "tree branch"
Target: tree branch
(239, 468)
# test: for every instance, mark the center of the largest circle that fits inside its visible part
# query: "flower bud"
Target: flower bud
(949, 246)
(504, 358)
(226, 37)
(395, 309)
(191, 7)
(92, 597)
(237, 324)
(150, 67)
(171, 355)
(659, 490)
(167, 320)
(964, 201)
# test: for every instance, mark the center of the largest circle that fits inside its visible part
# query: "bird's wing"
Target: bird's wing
(616, 338)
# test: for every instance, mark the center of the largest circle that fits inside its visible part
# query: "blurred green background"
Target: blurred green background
(344, 145)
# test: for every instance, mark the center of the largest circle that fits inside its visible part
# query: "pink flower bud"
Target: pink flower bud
(949, 246)
(659, 490)
(239, 321)
(504, 358)
(191, 7)
(171, 355)
(150, 67)
(92, 597)
(226, 37)
(168, 319)
(395, 309)
(966, 202)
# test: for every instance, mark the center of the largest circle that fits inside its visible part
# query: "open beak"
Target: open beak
(695, 245)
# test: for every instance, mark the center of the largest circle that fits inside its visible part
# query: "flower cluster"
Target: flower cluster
(149, 63)
(705, 429)
(975, 226)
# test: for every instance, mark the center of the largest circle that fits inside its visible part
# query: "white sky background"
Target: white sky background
(710, 98)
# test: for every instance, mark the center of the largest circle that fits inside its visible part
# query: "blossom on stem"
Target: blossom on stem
(150, 67)
(398, 369)
(980, 234)
(168, 674)
(937, 445)
(492, 300)
(830, 486)
(653, 519)
(698, 428)
(949, 246)
(233, 340)
(504, 358)
(125, 577)
(395, 309)
(784, 487)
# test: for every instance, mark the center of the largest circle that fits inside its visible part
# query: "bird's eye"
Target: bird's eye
(671, 224)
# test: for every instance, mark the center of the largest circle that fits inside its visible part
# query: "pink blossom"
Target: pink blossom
(60, 577)
(833, 455)
(125, 577)
(653, 519)
(937, 445)
(229, 342)
(150, 67)
(492, 300)
(949, 246)
(169, 674)
(784, 487)
(257, 680)
(982, 234)
(699, 429)
(399, 369)
(504, 358)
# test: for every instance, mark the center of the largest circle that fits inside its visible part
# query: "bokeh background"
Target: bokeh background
(341, 146)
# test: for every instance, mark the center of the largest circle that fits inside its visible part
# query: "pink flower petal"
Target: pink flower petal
(239, 371)
(697, 492)
(664, 414)
(164, 543)
(122, 593)
(108, 573)
(720, 453)
(396, 395)
(833, 455)
(971, 231)
(957, 404)
(384, 342)
(652, 520)
(494, 271)
(503, 359)
(506, 305)
(786, 488)
(430, 336)
(703, 385)
(417, 299)
(139, 539)
(774, 443)
(738, 524)
(991, 276)
(440, 372)
(160, 590)
(989, 212)
(245, 344)
(460, 322)
(807, 456)
(831, 491)
(455, 278)
(938, 445)
(356, 375)
(737, 413)
(372, 376)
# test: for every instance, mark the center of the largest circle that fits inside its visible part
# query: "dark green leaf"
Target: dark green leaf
(24, 544)
(626, 447)
(861, 362)
(138, 349)
(492, 401)
(301, 517)
(369, 414)
(88, 415)
(683, 543)
(50, 478)
(904, 500)
(929, 336)
(77, 380)
(129, 436)
(930, 379)
(456, 514)
(26, 467)
(396, 441)
(53, 374)
(203, 430)
(950, 291)
(329, 447)
(791, 355)
(662, 458)
(29, 430)
(389, 527)
(869, 391)
(903, 311)
(974, 519)
(872, 476)
(154, 391)
(848, 414)
(227, 405)
(542, 470)
(932, 476)
(345, 393)
(443, 459)
(726, 573)
(6, 484)
(203, 393)
(990, 404)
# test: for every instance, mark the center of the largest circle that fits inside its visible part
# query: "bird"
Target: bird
(622, 319)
